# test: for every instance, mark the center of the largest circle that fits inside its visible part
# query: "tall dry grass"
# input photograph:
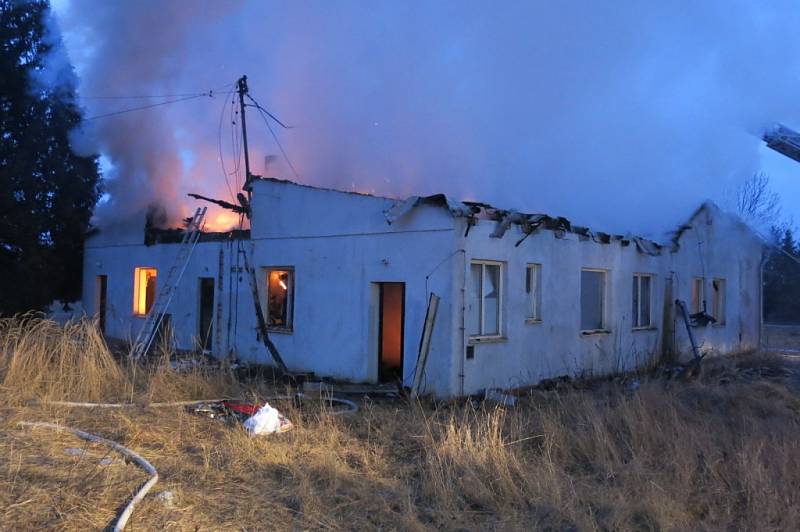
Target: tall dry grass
(668, 456)
(43, 360)
(682, 457)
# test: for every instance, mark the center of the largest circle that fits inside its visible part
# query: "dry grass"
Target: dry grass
(669, 456)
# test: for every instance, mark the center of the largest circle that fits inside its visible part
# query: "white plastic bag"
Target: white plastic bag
(266, 421)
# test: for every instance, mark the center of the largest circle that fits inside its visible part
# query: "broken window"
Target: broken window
(144, 290)
(642, 289)
(486, 299)
(698, 296)
(593, 296)
(280, 298)
(718, 300)
(533, 288)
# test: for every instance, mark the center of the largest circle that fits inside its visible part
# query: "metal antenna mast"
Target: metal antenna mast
(248, 260)
(242, 90)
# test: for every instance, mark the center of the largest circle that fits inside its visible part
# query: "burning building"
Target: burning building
(344, 281)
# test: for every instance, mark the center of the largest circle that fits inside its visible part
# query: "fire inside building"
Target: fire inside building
(446, 297)
(345, 290)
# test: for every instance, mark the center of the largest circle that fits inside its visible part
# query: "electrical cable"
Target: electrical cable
(153, 96)
(230, 296)
(150, 97)
(236, 145)
(265, 115)
(143, 107)
(219, 142)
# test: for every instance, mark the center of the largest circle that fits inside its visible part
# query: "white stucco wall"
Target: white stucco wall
(340, 245)
(530, 352)
(719, 245)
(117, 253)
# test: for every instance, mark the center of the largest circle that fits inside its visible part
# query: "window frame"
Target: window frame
(137, 311)
(638, 276)
(604, 329)
(701, 294)
(291, 297)
(719, 297)
(533, 291)
(482, 336)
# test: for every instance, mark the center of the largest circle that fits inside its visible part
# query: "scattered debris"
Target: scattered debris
(255, 419)
(73, 451)
(556, 383)
(266, 421)
(499, 396)
(166, 497)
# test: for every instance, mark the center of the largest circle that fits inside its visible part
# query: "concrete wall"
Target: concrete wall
(529, 352)
(719, 245)
(116, 255)
(340, 246)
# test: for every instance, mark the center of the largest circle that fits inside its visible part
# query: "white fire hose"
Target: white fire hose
(122, 520)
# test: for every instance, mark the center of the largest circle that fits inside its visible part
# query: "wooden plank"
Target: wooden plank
(260, 320)
(425, 342)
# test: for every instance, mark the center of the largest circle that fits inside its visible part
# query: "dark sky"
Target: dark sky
(619, 115)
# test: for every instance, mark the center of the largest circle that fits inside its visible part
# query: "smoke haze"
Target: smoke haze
(622, 116)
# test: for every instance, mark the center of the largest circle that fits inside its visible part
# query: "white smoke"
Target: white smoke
(622, 116)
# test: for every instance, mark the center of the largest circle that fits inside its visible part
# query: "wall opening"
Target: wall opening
(101, 286)
(144, 290)
(593, 300)
(206, 313)
(390, 334)
(280, 299)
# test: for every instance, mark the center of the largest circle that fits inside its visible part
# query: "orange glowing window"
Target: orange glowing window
(144, 290)
(280, 298)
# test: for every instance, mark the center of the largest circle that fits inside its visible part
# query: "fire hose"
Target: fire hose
(139, 460)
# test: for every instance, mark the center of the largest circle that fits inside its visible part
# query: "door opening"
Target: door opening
(390, 331)
(205, 332)
(102, 301)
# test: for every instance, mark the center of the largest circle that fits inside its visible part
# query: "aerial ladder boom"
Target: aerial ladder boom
(783, 140)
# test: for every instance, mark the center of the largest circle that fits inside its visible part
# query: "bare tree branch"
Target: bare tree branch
(756, 203)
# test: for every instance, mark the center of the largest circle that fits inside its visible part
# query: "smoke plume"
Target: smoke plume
(622, 116)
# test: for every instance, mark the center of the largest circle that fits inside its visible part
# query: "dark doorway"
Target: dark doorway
(390, 334)
(206, 312)
(102, 301)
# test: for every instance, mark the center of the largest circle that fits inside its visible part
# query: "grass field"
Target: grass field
(721, 452)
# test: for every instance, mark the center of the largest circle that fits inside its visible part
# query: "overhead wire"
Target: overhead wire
(152, 96)
(150, 106)
(236, 144)
(219, 139)
(266, 115)
(145, 97)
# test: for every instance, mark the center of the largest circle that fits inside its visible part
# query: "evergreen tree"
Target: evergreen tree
(47, 192)
(788, 243)
(782, 280)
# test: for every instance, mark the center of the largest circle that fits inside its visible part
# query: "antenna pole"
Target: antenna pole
(249, 262)
(242, 90)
